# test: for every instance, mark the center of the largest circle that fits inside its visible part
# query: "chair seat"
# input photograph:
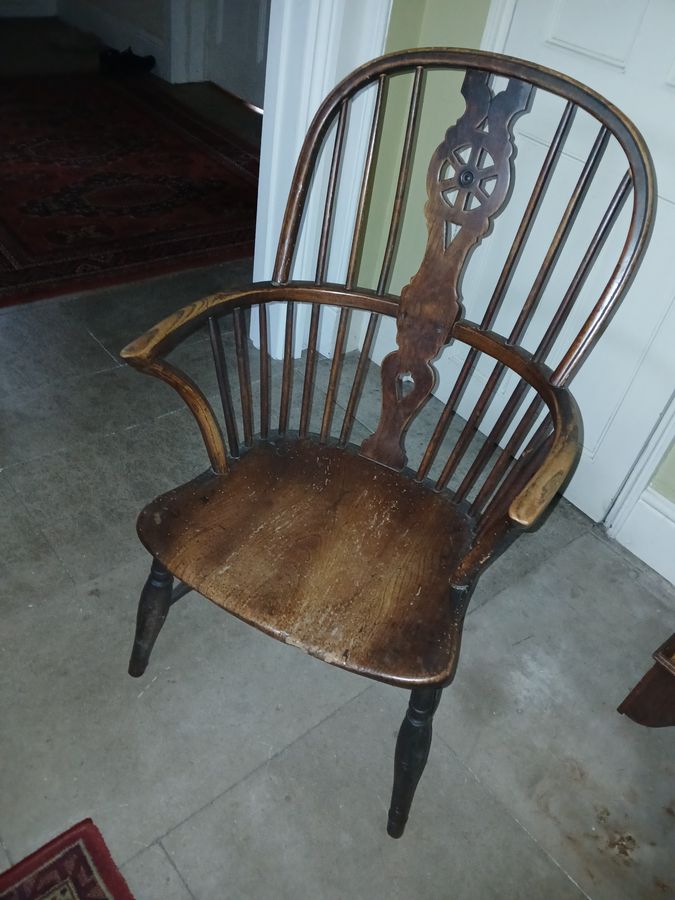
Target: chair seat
(323, 549)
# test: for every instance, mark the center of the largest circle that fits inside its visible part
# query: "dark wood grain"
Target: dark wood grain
(475, 152)
(343, 552)
(325, 550)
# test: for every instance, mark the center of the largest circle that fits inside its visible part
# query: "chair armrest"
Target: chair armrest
(533, 500)
(167, 334)
(145, 352)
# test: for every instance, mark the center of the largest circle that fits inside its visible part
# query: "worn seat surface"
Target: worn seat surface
(347, 553)
(325, 550)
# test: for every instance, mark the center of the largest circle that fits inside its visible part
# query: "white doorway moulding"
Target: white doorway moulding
(312, 44)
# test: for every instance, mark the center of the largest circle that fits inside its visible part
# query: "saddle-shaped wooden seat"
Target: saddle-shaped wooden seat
(340, 546)
(315, 546)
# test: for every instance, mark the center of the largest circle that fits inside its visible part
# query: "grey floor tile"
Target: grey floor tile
(152, 876)
(85, 500)
(64, 415)
(533, 714)
(646, 577)
(141, 755)
(5, 862)
(39, 348)
(118, 314)
(312, 824)
(30, 570)
(563, 525)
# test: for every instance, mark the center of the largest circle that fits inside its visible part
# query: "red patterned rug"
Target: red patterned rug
(103, 182)
(74, 866)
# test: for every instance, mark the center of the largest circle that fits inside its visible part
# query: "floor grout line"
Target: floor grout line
(502, 805)
(263, 765)
(116, 359)
(529, 571)
(175, 868)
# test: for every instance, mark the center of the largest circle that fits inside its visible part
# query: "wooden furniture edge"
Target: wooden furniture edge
(533, 500)
(169, 332)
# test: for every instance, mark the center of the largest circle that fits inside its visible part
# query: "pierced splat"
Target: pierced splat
(468, 182)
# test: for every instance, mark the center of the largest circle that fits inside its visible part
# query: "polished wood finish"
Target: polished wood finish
(152, 611)
(316, 547)
(459, 198)
(652, 700)
(339, 549)
(412, 752)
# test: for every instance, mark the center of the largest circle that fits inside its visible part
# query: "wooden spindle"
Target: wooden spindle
(329, 206)
(506, 455)
(590, 256)
(357, 233)
(594, 325)
(365, 182)
(244, 370)
(527, 463)
(491, 441)
(562, 232)
(552, 255)
(524, 228)
(560, 317)
(287, 376)
(264, 372)
(310, 368)
(359, 376)
(224, 386)
(403, 178)
(335, 370)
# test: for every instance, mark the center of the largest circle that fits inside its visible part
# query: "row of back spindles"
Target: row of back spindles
(237, 406)
(487, 462)
(243, 423)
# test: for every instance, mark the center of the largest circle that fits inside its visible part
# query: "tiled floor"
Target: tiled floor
(240, 768)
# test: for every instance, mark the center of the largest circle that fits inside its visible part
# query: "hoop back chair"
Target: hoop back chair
(338, 545)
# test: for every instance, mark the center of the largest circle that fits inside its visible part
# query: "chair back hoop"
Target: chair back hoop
(474, 131)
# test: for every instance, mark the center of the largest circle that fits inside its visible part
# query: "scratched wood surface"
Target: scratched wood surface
(441, 537)
(467, 183)
(325, 550)
(341, 550)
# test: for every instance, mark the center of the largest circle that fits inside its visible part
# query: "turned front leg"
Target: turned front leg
(412, 751)
(152, 611)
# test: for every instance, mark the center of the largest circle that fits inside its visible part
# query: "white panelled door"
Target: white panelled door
(624, 49)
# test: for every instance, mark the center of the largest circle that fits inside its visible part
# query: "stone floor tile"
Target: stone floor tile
(85, 500)
(562, 525)
(41, 347)
(116, 315)
(311, 823)
(30, 570)
(141, 755)
(5, 862)
(533, 714)
(152, 876)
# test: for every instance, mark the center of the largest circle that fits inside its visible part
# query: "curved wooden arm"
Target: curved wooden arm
(532, 501)
(168, 333)
(144, 353)
(196, 402)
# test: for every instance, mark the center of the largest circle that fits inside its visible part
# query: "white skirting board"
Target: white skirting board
(116, 32)
(649, 532)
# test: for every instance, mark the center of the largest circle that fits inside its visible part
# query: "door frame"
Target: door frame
(311, 45)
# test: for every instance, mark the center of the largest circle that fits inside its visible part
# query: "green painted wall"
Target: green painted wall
(664, 477)
(416, 23)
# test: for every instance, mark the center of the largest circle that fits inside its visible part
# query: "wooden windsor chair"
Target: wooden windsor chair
(333, 544)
